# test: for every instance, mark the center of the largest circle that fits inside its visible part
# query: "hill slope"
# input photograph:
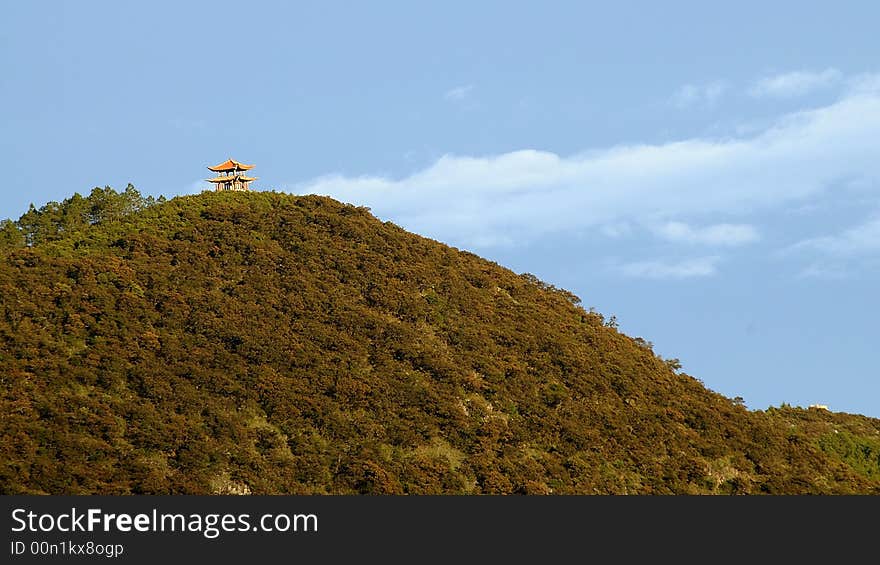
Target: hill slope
(267, 343)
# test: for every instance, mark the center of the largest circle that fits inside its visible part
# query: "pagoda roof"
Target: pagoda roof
(240, 178)
(230, 165)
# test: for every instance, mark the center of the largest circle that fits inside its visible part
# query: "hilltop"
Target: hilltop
(265, 343)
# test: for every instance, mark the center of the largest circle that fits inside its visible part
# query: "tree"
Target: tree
(10, 236)
(54, 220)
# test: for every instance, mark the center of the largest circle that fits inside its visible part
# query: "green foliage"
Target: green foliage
(860, 453)
(268, 343)
(69, 220)
(11, 236)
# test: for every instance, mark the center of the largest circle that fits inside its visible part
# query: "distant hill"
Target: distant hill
(266, 343)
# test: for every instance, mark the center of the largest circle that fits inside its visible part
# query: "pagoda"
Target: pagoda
(230, 176)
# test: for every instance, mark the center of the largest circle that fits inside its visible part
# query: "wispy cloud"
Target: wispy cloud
(824, 272)
(717, 234)
(526, 193)
(615, 230)
(698, 191)
(863, 83)
(859, 240)
(797, 83)
(459, 92)
(699, 94)
(683, 269)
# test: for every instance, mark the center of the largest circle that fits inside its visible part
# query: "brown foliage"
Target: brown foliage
(284, 344)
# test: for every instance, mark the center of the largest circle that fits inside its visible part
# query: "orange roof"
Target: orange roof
(230, 165)
(239, 178)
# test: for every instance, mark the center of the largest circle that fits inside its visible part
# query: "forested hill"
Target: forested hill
(267, 343)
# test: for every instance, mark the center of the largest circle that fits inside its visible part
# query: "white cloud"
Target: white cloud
(718, 234)
(523, 194)
(699, 94)
(685, 269)
(859, 240)
(616, 230)
(864, 83)
(823, 272)
(459, 92)
(798, 83)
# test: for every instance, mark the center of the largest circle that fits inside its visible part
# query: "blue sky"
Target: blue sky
(708, 175)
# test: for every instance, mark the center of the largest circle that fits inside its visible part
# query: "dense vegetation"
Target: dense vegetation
(268, 343)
